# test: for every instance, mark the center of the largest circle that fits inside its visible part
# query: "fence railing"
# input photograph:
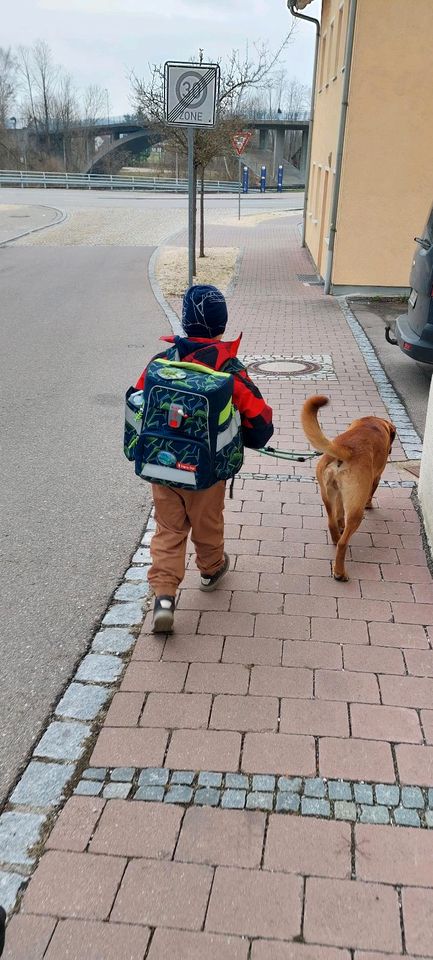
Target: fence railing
(95, 181)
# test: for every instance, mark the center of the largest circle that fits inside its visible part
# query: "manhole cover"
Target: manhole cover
(308, 367)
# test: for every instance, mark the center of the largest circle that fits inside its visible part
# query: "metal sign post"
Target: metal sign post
(191, 94)
(240, 142)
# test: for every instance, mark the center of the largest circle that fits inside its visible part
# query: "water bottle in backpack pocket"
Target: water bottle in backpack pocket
(186, 431)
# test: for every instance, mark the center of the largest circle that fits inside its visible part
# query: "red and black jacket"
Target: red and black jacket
(256, 415)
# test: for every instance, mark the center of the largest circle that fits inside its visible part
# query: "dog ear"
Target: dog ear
(392, 433)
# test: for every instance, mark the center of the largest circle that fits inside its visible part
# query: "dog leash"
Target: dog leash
(289, 454)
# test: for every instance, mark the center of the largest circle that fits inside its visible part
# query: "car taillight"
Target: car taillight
(407, 346)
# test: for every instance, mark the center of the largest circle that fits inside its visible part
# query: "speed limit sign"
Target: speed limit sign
(191, 92)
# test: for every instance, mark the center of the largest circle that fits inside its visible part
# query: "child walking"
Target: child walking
(179, 511)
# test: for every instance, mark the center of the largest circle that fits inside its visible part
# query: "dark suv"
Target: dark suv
(414, 330)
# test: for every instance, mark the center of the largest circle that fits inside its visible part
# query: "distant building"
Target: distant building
(383, 186)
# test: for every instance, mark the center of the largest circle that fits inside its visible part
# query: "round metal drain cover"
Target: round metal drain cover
(289, 367)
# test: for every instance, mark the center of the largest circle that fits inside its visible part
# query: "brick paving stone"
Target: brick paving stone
(310, 848)
(373, 659)
(259, 564)
(257, 602)
(74, 885)
(233, 799)
(377, 610)
(217, 678)
(386, 590)
(376, 814)
(231, 838)
(396, 724)
(248, 650)
(228, 624)
(427, 723)
(319, 717)
(145, 676)
(363, 793)
(125, 710)
(182, 776)
(339, 631)
(292, 784)
(148, 647)
(116, 639)
(197, 600)
(204, 749)
(367, 915)
(271, 950)
(254, 903)
(339, 790)
(94, 773)
(186, 622)
(82, 701)
(387, 795)
(63, 741)
(287, 802)
(406, 573)
(356, 687)
(279, 752)
(161, 893)
(19, 832)
(88, 788)
(420, 663)
(328, 587)
(406, 818)
(397, 635)
(257, 800)
(305, 653)
(28, 937)
(281, 682)
(417, 914)
(76, 824)
(244, 713)
(237, 781)
(99, 668)
(281, 626)
(150, 794)
(207, 797)
(415, 764)
(116, 791)
(356, 759)
(208, 779)
(74, 939)
(412, 797)
(154, 776)
(137, 830)
(42, 784)
(176, 710)
(413, 613)
(344, 810)
(402, 857)
(283, 583)
(182, 945)
(407, 691)
(179, 793)
(121, 747)
(10, 885)
(315, 787)
(122, 774)
(312, 807)
(191, 647)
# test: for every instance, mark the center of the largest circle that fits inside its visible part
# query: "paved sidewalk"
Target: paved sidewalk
(260, 788)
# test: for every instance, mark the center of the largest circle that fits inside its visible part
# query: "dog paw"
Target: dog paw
(341, 577)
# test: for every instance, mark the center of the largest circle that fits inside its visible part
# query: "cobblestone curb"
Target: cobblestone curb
(410, 441)
(57, 758)
(356, 801)
(286, 477)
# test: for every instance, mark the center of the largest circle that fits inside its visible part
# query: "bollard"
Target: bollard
(263, 180)
(280, 178)
(245, 179)
(425, 486)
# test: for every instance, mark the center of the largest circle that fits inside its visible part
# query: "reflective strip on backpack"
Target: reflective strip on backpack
(227, 435)
(132, 420)
(157, 472)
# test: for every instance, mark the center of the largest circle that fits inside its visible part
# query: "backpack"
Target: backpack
(183, 430)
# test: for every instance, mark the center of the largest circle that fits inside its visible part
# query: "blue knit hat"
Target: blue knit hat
(204, 312)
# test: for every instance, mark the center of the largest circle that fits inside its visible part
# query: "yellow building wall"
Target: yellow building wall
(387, 174)
(387, 182)
(325, 128)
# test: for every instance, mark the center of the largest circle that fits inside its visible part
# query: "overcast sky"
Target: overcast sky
(101, 41)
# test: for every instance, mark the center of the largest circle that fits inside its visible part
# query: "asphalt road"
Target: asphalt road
(76, 326)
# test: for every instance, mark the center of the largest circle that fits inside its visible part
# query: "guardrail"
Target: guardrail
(94, 181)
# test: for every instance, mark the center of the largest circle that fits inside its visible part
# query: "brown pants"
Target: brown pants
(176, 513)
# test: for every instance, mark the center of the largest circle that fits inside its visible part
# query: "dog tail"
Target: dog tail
(314, 433)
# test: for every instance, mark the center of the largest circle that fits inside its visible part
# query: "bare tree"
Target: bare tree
(64, 116)
(7, 83)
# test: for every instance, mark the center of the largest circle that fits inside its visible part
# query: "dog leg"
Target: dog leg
(353, 521)
(369, 505)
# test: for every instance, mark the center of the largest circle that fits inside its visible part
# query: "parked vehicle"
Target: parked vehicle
(414, 329)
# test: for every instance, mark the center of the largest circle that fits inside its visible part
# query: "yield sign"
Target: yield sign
(241, 140)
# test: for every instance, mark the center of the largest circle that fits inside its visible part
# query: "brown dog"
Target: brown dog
(348, 473)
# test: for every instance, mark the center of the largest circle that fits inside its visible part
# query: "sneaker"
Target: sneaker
(210, 582)
(163, 615)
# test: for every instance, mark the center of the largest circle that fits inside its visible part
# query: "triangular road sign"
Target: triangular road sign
(241, 140)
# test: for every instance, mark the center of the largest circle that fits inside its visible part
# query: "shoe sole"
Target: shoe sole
(213, 586)
(163, 622)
